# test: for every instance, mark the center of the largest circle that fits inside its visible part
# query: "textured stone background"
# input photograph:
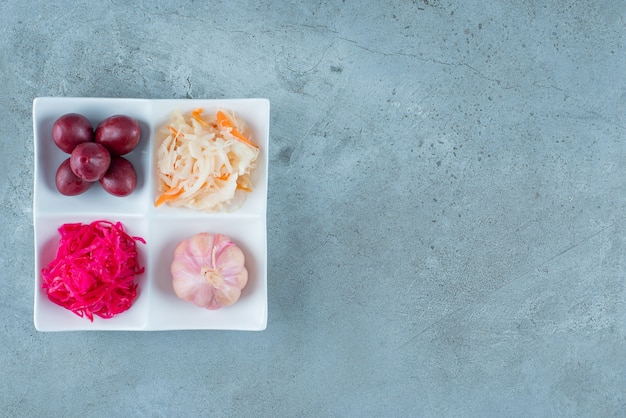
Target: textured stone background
(446, 209)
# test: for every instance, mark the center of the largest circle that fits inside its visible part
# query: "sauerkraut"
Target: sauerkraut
(94, 269)
(205, 162)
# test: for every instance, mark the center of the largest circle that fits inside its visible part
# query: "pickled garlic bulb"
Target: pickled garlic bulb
(209, 271)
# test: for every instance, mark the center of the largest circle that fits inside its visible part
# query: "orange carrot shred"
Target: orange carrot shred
(197, 115)
(174, 131)
(225, 122)
(167, 196)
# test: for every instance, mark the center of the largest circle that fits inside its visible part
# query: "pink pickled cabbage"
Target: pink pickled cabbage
(94, 269)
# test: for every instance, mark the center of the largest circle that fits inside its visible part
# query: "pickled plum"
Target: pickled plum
(70, 130)
(120, 179)
(119, 134)
(68, 183)
(96, 155)
(89, 161)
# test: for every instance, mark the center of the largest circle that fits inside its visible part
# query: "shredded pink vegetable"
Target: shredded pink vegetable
(94, 269)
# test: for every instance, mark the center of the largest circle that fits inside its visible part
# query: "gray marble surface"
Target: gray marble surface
(445, 216)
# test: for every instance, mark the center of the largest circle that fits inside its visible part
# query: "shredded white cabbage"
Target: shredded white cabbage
(201, 163)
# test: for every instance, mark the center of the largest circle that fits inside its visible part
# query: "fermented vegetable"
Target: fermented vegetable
(209, 271)
(203, 161)
(94, 269)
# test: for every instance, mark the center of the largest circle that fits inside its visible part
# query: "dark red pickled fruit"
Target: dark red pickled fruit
(119, 134)
(70, 130)
(68, 183)
(90, 161)
(120, 179)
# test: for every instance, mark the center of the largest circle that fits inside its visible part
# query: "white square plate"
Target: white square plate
(163, 227)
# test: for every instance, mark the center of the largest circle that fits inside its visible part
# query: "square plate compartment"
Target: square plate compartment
(156, 307)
